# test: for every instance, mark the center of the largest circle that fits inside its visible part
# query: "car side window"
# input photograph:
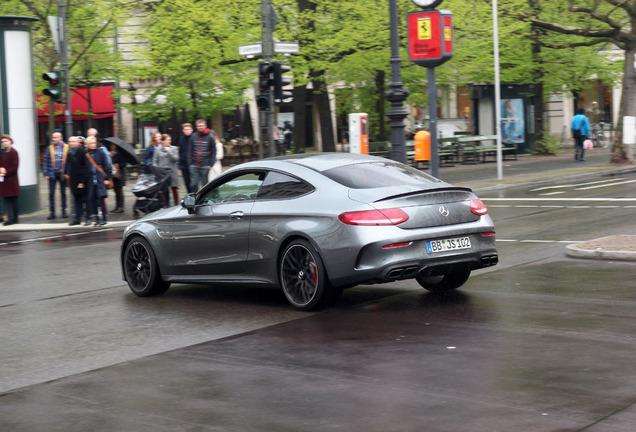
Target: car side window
(243, 187)
(279, 186)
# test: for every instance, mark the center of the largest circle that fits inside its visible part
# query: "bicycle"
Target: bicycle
(598, 135)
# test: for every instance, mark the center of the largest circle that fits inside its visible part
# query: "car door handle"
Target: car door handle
(237, 215)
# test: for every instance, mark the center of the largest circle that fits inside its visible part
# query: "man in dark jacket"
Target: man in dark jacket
(201, 155)
(184, 147)
(77, 178)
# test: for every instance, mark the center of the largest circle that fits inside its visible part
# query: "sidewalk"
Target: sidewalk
(527, 170)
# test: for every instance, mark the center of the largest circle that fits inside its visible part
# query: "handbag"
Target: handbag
(588, 144)
(107, 180)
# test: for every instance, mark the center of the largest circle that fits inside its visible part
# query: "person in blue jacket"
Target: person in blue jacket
(580, 128)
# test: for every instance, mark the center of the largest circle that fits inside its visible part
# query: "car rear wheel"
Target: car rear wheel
(141, 269)
(303, 277)
(446, 282)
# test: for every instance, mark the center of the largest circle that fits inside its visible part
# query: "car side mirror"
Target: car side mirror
(188, 202)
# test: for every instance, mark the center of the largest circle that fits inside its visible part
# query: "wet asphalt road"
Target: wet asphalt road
(541, 342)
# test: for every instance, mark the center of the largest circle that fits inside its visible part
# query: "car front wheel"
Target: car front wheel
(302, 275)
(141, 269)
(446, 282)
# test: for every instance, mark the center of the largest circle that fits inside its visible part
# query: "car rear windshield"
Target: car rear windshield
(378, 174)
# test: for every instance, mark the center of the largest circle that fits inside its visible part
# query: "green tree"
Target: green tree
(586, 23)
(192, 51)
(90, 29)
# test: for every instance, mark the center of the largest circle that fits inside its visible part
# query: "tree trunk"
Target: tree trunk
(300, 118)
(321, 96)
(627, 107)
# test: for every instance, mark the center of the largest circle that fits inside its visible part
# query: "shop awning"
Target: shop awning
(102, 104)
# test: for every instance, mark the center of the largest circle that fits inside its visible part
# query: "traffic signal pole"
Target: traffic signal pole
(267, 22)
(68, 123)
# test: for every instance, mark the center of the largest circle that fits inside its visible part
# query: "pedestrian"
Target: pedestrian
(98, 169)
(167, 156)
(184, 147)
(119, 177)
(288, 133)
(155, 140)
(9, 184)
(55, 169)
(77, 173)
(580, 128)
(201, 155)
(100, 145)
(217, 168)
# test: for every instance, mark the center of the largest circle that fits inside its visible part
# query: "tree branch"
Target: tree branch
(614, 34)
(597, 16)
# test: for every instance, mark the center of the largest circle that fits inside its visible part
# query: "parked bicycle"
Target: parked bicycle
(598, 135)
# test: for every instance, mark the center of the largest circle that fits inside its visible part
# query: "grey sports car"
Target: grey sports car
(312, 225)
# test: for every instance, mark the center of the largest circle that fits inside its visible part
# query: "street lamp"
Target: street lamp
(398, 94)
(426, 4)
(133, 97)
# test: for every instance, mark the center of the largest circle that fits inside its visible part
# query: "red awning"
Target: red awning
(102, 104)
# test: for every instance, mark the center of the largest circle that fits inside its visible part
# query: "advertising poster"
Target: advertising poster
(512, 121)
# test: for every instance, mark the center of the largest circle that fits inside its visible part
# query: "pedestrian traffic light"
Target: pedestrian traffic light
(280, 81)
(55, 84)
(265, 81)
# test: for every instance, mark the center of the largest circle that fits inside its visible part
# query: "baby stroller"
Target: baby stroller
(152, 183)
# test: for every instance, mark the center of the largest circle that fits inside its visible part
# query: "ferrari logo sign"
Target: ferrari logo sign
(424, 28)
(430, 37)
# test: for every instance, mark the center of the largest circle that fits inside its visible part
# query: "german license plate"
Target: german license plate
(434, 246)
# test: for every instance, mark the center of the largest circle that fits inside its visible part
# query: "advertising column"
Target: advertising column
(17, 100)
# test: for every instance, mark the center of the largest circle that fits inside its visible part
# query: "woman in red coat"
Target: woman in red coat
(9, 185)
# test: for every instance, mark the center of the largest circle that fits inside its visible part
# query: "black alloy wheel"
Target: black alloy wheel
(302, 275)
(141, 269)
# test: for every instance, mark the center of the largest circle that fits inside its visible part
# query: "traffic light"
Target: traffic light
(265, 81)
(54, 79)
(280, 81)
(262, 102)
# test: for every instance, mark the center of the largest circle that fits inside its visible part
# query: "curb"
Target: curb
(24, 227)
(596, 249)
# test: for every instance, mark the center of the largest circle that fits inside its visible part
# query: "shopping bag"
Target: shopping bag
(588, 144)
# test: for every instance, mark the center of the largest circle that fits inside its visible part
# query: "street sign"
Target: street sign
(251, 49)
(286, 47)
(430, 37)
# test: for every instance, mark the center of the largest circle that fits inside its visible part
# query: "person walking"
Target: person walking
(580, 128)
(167, 156)
(201, 155)
(55, 169)
(155, 140)
(184, 148)
(77, 178)
(119, 177)
(98, 169)
(9, 184)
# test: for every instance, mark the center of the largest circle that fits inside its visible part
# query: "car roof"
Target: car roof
(317, 161)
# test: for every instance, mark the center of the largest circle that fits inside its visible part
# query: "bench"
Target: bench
(473, 149)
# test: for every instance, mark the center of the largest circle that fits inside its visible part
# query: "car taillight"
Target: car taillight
(394, 216)
(478, 207)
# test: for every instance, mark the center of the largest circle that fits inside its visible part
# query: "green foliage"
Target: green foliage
(548, 144)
